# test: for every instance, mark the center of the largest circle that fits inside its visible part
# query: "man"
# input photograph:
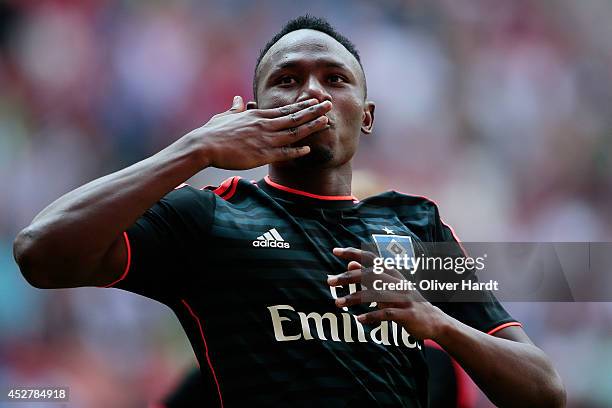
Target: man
(257, 273)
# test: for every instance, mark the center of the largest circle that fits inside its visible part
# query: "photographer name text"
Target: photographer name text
(435, 285)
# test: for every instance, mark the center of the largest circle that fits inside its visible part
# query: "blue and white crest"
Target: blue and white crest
(390, 246)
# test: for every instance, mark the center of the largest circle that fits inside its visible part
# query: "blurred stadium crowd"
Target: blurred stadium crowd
(499, 110)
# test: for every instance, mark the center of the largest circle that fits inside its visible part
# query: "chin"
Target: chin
(321, 151)
(319, 156)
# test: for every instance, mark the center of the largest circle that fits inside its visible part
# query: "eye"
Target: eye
(286, 80)
(335, 78)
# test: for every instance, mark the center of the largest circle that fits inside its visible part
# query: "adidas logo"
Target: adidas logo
(270, 239)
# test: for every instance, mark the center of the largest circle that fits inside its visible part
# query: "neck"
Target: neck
(326, 182)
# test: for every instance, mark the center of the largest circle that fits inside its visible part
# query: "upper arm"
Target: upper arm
(152, 257)
(114, 265)
(91, 269)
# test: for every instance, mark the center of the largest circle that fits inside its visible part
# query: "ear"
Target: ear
(367, 121)
(251, 105)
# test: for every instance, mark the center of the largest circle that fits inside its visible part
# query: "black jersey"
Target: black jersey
(446, 386)
(244, 266)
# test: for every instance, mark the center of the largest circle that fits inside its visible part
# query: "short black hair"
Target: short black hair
(310, 23)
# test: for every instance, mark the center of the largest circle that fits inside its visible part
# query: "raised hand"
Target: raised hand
(240, 139)
(406, 307)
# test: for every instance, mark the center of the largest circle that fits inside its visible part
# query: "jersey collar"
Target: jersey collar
(303, 197)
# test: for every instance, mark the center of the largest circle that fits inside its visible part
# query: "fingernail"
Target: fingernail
(337, 251)
(340, 301)
(332, 281)
(361, 318)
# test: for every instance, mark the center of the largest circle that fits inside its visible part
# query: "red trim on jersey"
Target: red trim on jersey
(453, 233)
(432, 344)
(226, 189)
(128, 262)
(212, 370)
(232, 190)
(503, 326)
(306, 194)
(223, 186)
(465, 388)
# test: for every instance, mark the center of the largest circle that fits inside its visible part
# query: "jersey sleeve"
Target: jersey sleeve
(161, 243)
(487, 314)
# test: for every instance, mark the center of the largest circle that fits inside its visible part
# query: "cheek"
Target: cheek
(274, 99)
(349, 117)
(350, 113)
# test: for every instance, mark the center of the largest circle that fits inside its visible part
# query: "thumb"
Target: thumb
(237, 104)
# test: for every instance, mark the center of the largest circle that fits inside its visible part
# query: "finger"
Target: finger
(352, 276)
(300, 117)
(287, 109)
(288, 153)
(354, 265)
(390, 298)
(354, 254)
(293, 134)
(237, 105)
(386, 297)
(391, 289)
(390, 273)
(386, 278)
(352, 299)
(380, 315)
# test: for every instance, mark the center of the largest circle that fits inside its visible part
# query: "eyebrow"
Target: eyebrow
(327, 63)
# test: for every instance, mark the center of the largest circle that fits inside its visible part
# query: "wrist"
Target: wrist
(199, 149)
(443, 325)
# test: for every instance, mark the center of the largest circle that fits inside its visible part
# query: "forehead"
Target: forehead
(307, 45)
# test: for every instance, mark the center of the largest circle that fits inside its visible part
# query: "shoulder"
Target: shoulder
(227, 188)
(212, 198)
(186, 196)
(403, 204)
(420, 214)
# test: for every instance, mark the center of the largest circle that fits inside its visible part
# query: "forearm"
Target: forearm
(77, 229)
(510, 373)
(80, 233)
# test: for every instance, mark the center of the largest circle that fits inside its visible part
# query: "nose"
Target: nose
(313, 88)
